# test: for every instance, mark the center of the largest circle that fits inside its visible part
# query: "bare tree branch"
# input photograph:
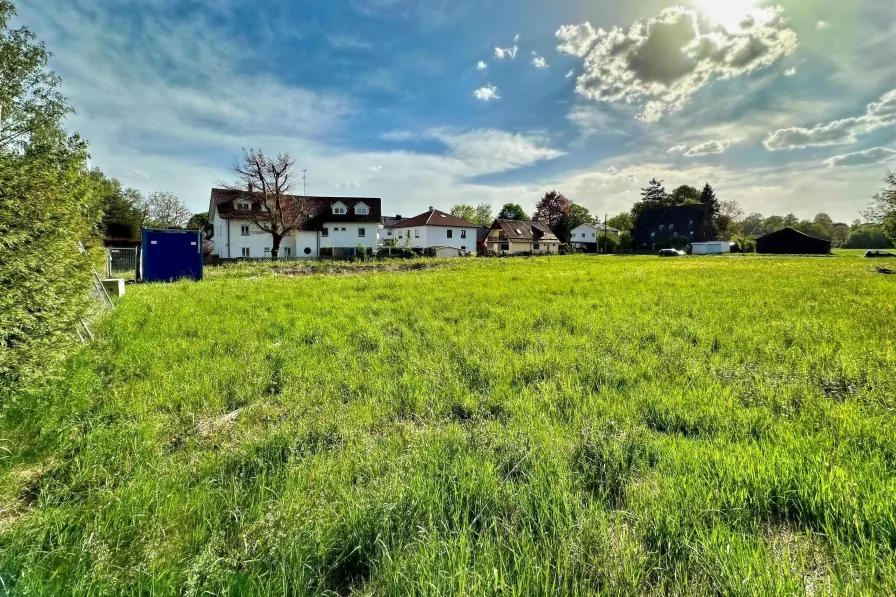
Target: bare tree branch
(264, 182)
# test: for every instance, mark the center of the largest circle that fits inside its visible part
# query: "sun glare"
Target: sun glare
(728, 13)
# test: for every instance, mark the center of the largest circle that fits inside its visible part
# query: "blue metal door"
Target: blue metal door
(172, 255)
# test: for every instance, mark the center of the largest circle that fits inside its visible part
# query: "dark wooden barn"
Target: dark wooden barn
(656, 227)
(788, 241)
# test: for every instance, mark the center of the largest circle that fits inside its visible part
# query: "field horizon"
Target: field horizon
(547, 426)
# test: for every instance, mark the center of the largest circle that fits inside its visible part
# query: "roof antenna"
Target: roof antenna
(304, 184)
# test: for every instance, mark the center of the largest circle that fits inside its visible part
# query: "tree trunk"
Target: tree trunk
(275, 249)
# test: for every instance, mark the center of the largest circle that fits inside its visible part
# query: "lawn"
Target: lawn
(550, 426)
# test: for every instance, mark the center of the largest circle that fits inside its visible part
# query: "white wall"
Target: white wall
(589, 231)
(348, 238)
(436, 236)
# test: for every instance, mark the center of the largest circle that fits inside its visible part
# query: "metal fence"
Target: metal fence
(121, 260)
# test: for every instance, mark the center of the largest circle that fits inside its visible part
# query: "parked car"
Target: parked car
(671, 253)
(879, 254)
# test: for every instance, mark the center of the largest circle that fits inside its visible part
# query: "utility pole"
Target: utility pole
(304, 183)
(605, 234)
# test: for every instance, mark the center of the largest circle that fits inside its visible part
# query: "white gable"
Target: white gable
(340, 208)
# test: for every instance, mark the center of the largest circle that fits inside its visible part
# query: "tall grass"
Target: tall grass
(551, 426)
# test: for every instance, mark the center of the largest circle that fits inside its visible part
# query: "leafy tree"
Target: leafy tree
(823, 225)
(607, 242)
(122, 215)
(578, 215)
(198, 221)
(840, 232)
(790, 220)
(652, 196)
(685, 195)
(481, 215)
(30, 99)
(165, 210)
(622, 222)
(553, 210)
(868, 236)
(512, 211)
(728, 222)
(882, 209)
(48, 217)
(625, 241)
(753, 225)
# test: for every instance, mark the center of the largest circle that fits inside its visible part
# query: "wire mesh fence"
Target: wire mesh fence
(121, 260)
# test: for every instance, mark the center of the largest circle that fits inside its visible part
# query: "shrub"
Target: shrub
(610, 242)
(45, 270)
(868, 237)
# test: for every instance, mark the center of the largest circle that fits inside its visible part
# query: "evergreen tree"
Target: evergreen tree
(708, 197)
(652, 196)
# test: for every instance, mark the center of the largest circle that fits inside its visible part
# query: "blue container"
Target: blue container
(171, 255)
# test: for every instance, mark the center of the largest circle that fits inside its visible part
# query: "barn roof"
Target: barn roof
(662, 223)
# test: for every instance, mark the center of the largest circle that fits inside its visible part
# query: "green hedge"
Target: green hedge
(45, 277)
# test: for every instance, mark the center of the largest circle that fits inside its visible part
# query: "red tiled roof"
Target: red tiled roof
(434, 218)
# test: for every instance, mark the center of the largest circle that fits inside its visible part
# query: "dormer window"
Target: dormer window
(243, 205)
(339, 209)
(361, 209)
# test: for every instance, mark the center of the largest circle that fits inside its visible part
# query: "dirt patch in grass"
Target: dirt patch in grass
(345, 269)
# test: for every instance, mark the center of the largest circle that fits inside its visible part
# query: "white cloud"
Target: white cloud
(660, 63)
(349, 184)
(376, 168)
(539, 62)
(502, 53)
(820, 25)
(612, 170)
(861, 158)
(630, 178)
(516, 37)
(710, 147)
(487, 93)
(877, 115)
(342, 41)
(790, 72)
(578, 40)
(677, 148)
(571, 73)
(481, 65)
(592, 120)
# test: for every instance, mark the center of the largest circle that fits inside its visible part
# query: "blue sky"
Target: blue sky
(784, 107)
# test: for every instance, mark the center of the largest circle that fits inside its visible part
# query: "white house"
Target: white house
(434, 230)
(521, 237)
(584, 236)
(333, 225)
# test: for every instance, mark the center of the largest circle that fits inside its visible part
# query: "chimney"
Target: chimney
(251, 188)
(431, 208)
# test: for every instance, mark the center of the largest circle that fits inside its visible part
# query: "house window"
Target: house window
(583, 235)
(244, 230)
(652, 234)
(451, 234)
(362, 232)
(594, 235)
(287, 252)
(388, 233)
(243, 205)
(661, 227)
(325, 232)
(361, 209)
(267, 251)
(339, 209)
(463, 234)
(536, 246)
(343, 229)
(245, 251)
(463, 248)
(416, 233)
(307, 250)
(671, 226)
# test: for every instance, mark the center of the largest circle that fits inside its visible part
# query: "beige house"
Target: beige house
(517, 236)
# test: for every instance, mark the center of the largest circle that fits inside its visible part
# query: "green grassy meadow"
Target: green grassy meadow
(549, 426)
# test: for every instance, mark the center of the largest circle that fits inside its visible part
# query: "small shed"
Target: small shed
(711, 248)
(171, 255)
(788, 241)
